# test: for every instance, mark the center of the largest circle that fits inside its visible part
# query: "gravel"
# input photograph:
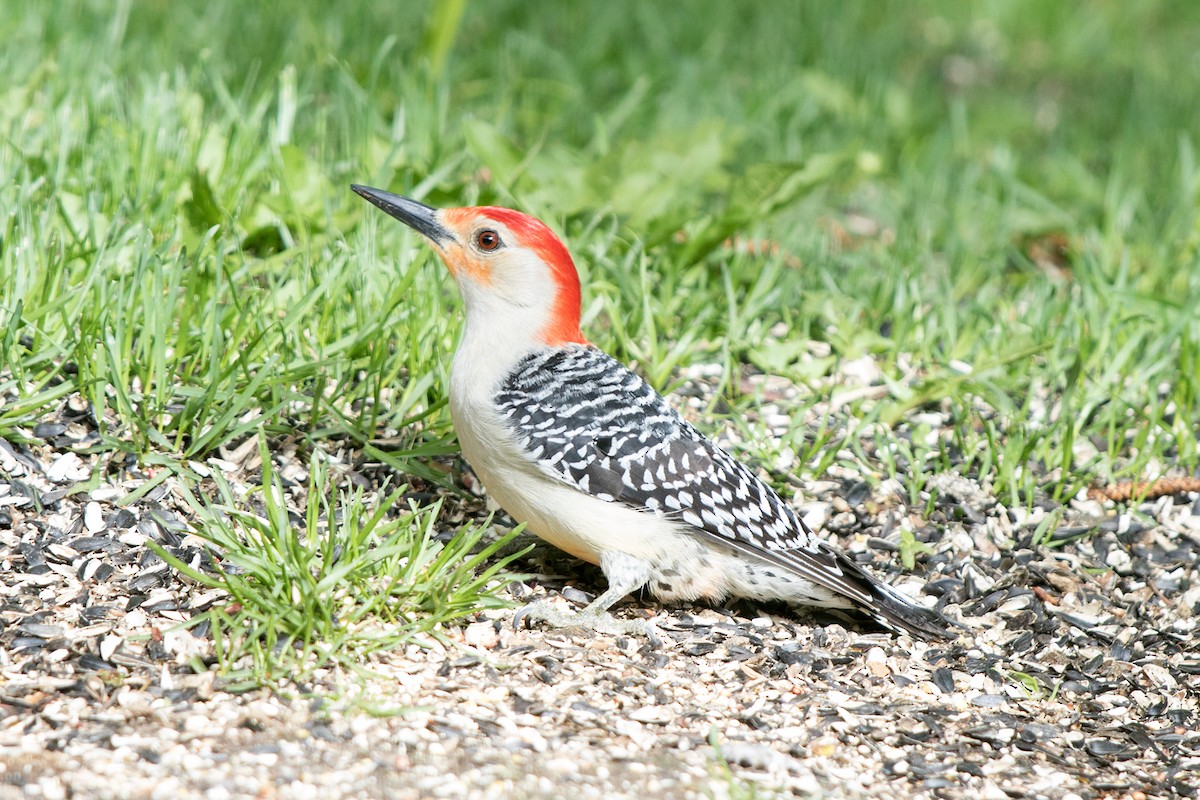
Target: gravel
(1076, 673)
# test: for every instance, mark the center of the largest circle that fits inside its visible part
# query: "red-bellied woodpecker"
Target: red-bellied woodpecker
(571, 442)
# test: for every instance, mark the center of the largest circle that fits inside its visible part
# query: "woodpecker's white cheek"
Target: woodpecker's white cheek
(523, 281)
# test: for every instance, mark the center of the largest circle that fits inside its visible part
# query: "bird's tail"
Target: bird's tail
(901, 614)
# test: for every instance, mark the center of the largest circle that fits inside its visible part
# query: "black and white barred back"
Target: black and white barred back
(584, 418)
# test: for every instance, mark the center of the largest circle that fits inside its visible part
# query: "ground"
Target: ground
(1074, 674)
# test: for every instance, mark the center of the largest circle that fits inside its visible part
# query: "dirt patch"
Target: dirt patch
(1076, 673)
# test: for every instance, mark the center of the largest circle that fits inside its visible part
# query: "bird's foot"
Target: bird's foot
(592, 619)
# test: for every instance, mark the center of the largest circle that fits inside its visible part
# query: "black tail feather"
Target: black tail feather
(904, 616)
(896, 611)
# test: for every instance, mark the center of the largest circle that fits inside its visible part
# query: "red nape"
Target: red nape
(534, 234)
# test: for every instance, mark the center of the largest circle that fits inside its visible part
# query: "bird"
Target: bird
(583, 451)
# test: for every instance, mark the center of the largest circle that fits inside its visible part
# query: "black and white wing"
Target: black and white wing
(584, 418)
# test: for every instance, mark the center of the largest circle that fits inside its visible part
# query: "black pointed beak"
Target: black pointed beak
(418, 216)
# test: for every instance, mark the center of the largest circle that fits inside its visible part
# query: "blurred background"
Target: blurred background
(997, 197)
(611, 99)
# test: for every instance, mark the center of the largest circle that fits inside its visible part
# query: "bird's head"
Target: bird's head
(511, 268)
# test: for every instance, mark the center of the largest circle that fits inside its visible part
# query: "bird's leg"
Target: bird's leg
(624, 573)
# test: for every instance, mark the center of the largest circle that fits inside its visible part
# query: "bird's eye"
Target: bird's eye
(487, 240)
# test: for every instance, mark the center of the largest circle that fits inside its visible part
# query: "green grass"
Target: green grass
(351, 581)
(180, 247)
